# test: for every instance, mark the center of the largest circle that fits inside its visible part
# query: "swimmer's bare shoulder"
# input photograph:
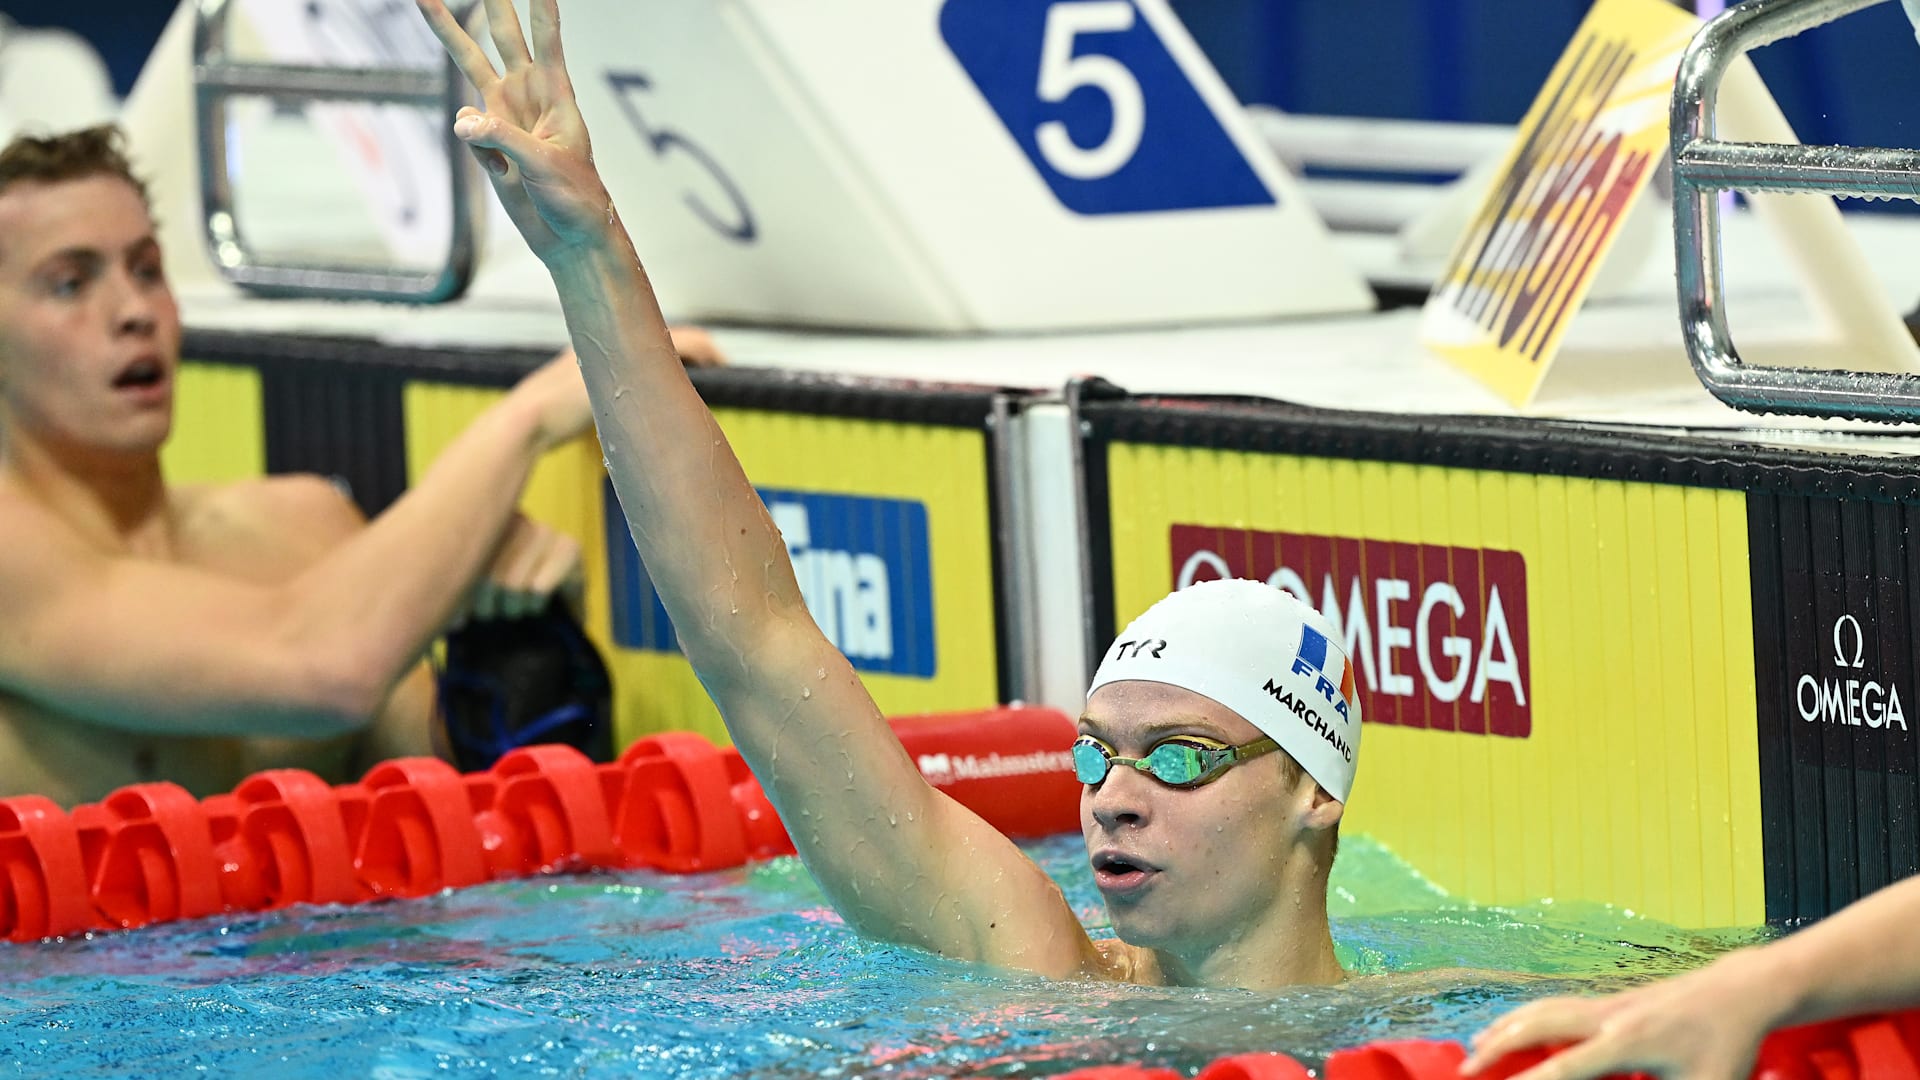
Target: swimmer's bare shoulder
(44, 751)
(260, 529)
(257, 530)
(1117, 961)
(266, 529)
(96, 621)
(38, 550)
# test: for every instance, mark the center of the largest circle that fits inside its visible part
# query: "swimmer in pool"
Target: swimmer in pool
(1219, 738)
(197, 634)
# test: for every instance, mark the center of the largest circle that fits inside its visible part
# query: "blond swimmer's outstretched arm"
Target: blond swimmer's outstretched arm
(1707, 1024)
(898, 859)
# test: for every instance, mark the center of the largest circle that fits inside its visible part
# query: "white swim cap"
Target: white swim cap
(1260, 652)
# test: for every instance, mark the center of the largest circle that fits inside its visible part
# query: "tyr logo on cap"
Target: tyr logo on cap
(1133, 650)
(1311, 659)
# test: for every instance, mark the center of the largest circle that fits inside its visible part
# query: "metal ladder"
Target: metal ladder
(1703, 167)
(217, 79)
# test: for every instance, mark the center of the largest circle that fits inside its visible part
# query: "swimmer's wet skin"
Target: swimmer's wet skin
(1219, 884)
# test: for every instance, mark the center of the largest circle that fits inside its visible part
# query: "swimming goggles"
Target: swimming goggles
(1183, 761)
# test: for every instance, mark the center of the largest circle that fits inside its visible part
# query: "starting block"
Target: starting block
(928, 165)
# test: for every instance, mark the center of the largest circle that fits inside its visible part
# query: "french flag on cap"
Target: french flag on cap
(1312, 660)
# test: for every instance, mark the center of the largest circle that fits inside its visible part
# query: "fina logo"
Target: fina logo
(848, 592)
(863, 565)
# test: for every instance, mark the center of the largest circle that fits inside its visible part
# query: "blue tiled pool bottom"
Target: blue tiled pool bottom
(748, 974)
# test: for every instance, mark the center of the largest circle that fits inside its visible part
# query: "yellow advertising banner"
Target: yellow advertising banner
(1584, 152)
(219, 426)
(1556, 673)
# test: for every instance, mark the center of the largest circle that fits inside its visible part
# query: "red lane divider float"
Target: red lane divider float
(44, 893)
(1877, 1047)
(151, 853)
(417, 834)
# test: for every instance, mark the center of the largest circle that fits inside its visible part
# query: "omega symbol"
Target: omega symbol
(1859, 643)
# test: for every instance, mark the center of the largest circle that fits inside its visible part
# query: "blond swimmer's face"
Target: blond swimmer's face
(1180, 868)
(89, 330)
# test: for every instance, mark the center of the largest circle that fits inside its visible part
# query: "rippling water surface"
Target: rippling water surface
(749, 974)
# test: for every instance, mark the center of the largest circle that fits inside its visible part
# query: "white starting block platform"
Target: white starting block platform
(1623, 365)
(918, 165)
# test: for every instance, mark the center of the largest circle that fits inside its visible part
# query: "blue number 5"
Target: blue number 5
(665, 141)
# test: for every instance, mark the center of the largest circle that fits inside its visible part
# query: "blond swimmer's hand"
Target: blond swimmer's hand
(534, 564)
(556, 393)
(530, 137)
(696, 347)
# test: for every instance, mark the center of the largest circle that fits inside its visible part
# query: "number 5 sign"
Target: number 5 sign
(1112, 123)
(956, 165)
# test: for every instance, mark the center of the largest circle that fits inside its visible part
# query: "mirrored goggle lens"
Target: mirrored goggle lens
(1175, 763)
(1090, 761)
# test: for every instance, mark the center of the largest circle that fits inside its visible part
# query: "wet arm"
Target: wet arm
(1864, 958)
(899, 859)
(1708, 1023)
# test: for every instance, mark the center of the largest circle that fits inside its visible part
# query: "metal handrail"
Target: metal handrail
(218, 79)
(1703, 167)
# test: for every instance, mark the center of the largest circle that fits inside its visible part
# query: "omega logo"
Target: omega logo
(1852, 700)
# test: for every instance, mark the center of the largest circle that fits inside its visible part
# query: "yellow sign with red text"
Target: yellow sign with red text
(1583, 154)
(1556, 673)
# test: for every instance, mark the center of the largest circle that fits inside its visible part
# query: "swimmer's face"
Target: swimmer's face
(1186, 870)
(89, 331)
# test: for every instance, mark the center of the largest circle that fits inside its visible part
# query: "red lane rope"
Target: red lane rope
(153, 853)
(1876, 1047)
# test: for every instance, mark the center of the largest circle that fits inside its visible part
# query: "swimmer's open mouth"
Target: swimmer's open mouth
(1117, 871)
(143, 373)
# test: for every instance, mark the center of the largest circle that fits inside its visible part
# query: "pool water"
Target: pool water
(748, 973)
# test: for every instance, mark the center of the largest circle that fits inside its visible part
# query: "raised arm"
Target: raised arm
(157, 647)
(1707, 1024)
(898, 859)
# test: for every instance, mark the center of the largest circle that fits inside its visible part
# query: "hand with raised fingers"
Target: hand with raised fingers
(1704, 1025)
(530, 138)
